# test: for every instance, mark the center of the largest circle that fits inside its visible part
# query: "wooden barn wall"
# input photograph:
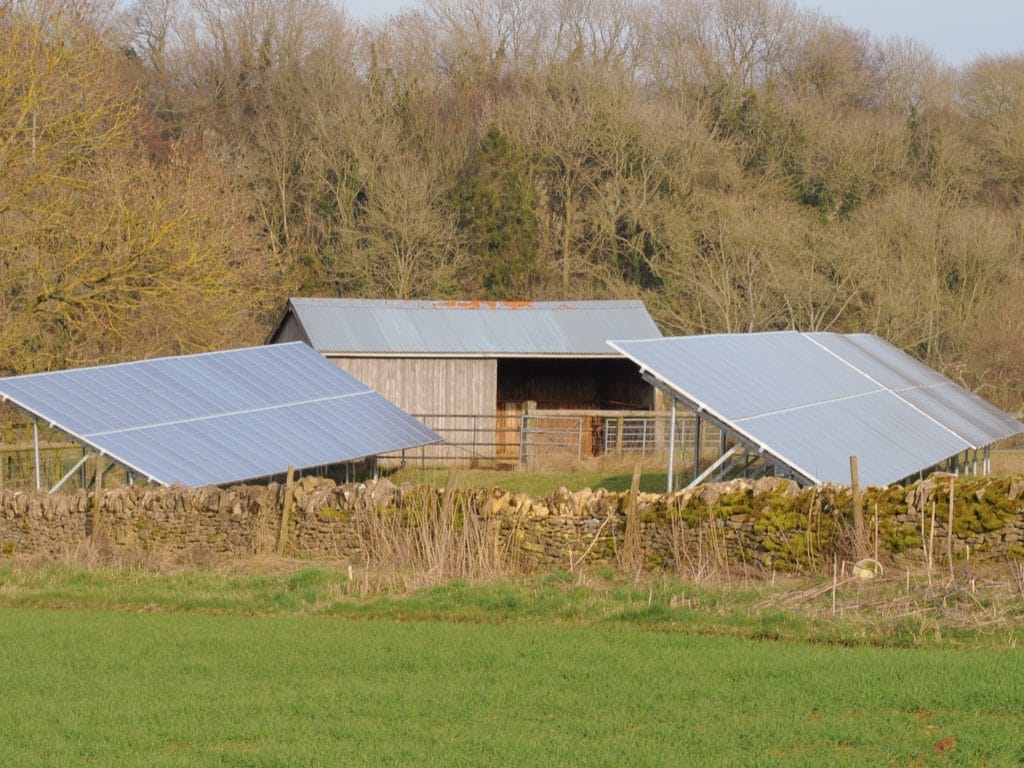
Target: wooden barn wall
(429, 385)
(445, 392)
(574, 384)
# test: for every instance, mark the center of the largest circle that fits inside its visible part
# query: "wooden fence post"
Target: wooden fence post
(859, 533)
(282, 533)
(630, 558)
(97, 493)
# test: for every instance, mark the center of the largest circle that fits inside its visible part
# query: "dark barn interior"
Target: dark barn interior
(569, 384)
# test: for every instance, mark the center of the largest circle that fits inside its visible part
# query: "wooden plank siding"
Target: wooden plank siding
(436, 387)
(429, 385)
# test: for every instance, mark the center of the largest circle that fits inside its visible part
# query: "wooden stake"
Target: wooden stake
(931, 546)
(97, 492)
(835, 579)
(634, 485)
(631, 545)
(282, 533)
(859, 534)
(949, 532)
(876, 531)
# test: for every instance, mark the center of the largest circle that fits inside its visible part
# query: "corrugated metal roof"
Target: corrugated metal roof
(813, 400)
(473, 328)
(220, 417)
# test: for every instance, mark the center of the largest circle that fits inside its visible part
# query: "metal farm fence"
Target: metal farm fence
(471, 440)
(589, 434)
(537, 437)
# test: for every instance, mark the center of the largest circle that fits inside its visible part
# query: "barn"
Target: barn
(472, 369)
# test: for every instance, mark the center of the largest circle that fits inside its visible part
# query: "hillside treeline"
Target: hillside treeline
(172, 170)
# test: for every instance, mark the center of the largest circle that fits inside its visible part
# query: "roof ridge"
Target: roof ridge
(443, 304)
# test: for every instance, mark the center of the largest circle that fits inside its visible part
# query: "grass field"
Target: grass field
(538, 483)
(116, 688)
(109, 667)
(609, 474)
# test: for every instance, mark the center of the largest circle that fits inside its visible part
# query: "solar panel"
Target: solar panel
(972, 417)
(813, 400)
(220, 417)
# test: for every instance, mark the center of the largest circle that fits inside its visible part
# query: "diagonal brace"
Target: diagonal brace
(718, 462)
(72, 471)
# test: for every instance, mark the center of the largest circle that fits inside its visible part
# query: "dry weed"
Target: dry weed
(436, 538)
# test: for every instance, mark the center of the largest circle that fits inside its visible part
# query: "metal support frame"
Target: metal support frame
(750, 459)
(698, 437)
(67, 476)
(35, 446)
(721, 460)
(759, 451)
(671, 446)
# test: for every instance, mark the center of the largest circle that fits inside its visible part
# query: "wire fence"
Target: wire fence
(56, 458)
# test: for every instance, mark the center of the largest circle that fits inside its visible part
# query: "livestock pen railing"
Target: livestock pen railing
(469, 440)
(590, 434)
(535, 437)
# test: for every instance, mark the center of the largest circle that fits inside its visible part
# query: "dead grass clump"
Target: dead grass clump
(98, 552)
(436, 536)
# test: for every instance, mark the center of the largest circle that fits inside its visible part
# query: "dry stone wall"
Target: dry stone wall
(768, 523)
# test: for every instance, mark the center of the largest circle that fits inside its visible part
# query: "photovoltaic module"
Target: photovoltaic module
(219, 417)
(812, 400)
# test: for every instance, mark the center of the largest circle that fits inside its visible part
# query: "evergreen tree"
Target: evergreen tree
(495, 201)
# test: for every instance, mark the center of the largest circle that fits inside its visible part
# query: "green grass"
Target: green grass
(117, 688)
(535, 483)
(109, 667)
(887, 616)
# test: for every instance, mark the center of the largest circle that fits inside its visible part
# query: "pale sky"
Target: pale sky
(957, 30)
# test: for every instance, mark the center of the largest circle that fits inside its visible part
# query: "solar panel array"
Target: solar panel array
(813, 400)
(220, 417)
